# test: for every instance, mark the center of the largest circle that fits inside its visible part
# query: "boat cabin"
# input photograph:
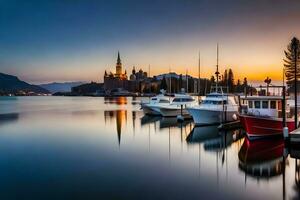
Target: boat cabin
(160, 99)
(268, 106)
(182, 99)
(219, 99)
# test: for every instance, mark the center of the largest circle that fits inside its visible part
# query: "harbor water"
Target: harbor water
(105, 148)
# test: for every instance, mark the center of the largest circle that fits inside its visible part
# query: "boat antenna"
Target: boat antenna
(187, 81)
(217, 72)
(199, 91)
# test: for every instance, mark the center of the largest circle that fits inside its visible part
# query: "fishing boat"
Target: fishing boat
(262, 116)
(178, 106)
(153, 106)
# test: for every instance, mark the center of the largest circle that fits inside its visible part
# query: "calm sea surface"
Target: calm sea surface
(101, 148)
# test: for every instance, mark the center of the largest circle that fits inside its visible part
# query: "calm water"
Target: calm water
(96, 148)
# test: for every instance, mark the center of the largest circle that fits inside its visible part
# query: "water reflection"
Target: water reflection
(213, 139)
(201, 134)
(164, 122)
(79, 147)
(296, 187)
(115, 100)
(121, 118)
(10, 117)
(262, 158)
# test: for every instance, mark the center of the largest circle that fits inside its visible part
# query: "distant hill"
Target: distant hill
(60, 87)
(12, 84)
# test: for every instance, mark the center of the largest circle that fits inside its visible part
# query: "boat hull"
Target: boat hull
(256, 126)
(207, 117)
(173, 112)
(150, 110)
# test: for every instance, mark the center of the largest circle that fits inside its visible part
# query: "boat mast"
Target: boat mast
(217, 72)
(199, 75)
(170, 81)
(149, 77)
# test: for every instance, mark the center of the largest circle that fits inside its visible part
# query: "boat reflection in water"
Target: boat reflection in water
(212, 138)
(262, 158)
(10, 117)
(164, 122)
(203, 133)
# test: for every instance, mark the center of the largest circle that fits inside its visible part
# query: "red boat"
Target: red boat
(263, 116)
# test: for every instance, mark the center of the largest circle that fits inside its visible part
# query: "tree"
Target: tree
(180, 82)
(245, 86)
(291, 62)
(230, 81)
(163, 84)
(268, 82)
(238, 87)
(245, 83)
(225, 78)
(212, 79)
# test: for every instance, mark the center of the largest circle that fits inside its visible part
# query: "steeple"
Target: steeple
(118, 66)
(119, 59)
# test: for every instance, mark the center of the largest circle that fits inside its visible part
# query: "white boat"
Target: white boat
(216, 108)
(153, 106)
(178, 106)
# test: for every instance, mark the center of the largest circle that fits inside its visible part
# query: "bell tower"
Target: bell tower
(118, 66)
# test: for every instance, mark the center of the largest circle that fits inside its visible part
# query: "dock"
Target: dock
(294, 137)
(294, 143)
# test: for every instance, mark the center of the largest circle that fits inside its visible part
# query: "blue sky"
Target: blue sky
(70, 40)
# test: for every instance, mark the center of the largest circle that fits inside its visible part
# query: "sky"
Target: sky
(77, 40)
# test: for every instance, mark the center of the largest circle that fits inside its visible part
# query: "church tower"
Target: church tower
(119, 66)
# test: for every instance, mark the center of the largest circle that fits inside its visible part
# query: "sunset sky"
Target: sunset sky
(76, 40)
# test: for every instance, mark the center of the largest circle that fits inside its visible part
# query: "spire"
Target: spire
(119, 59)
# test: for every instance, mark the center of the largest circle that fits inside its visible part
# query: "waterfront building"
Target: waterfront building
(115, 80)
(135, 83)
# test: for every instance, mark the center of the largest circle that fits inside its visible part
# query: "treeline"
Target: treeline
(226, 80)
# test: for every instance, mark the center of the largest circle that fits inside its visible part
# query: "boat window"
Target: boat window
(250, 103)
(224, 102)
(154, 99)
(257, 104)
(177, 100)
(212, 102)
(265, 104)
(163, 101)
(187, 99)
(273, 104)
(183, 100)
